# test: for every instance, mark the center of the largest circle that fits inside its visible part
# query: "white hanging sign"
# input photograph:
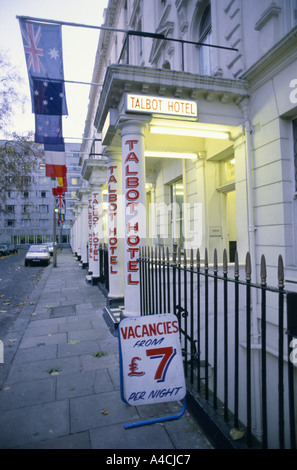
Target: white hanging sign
(146, 104)
(151, 360)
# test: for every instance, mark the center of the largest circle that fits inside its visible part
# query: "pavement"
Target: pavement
(60, 383)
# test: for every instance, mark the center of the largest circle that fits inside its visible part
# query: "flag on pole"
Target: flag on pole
(55, 164)
(48, 97)
(57, 191)
(61, 203)
(62, 183)
(48, 131)
(61, 217)
(61, 206)
(44, 57)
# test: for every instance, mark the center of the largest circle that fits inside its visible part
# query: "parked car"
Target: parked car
(4, 250)
(50, 246)
(37, 254)
(13, 248)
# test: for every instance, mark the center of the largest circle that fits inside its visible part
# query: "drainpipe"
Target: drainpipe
(185, 206)
(252, 249)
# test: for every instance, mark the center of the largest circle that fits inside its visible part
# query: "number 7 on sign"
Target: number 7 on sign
(167, 354)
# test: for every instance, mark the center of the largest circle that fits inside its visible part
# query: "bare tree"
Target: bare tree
(19, 155)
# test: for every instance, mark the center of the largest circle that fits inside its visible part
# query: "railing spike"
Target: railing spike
(263, 272)
(236, 265)
(215, 261)
(178, 255)
(198, 258)
(185, 257)
(174, 256)
(225, 261)
(248, 267)
(206, 259)
(174, 253)
(280, 272)
(192, 257)
(167, 254)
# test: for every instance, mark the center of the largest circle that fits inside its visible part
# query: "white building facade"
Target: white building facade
(223, 150)
(198, 144)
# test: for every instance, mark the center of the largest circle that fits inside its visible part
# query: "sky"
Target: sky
(79, 49)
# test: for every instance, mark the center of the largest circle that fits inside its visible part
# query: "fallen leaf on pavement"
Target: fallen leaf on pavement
(236, 434)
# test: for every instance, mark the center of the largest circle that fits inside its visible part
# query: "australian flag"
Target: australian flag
(43, 51)
(48, 131)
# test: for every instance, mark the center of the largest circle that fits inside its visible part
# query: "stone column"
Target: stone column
(73, 234)
(97, 235)
(77, 229)
(94, 171)
(84, 227)
(133, 167)
(115, 222)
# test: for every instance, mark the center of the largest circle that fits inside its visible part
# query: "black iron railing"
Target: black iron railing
(125, 54)
(234, 339)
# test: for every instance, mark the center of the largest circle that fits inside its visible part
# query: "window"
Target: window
(9, 209)
(25, 209)
(43, 209)
(43, 194)
(43, 223)
(26, 223)
(9, 223)
(27, 180)
(206, 38)
(26, 194)
(74, 181)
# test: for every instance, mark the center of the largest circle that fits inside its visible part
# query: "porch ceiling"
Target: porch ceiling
(217, 96)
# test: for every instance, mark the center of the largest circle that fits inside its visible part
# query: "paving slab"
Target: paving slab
(60, 386)
(33, 423)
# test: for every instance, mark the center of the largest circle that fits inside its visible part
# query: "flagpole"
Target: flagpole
(55, 239)
(67, 23)
(119, 30)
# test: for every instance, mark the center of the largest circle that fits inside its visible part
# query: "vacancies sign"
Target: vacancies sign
(151, 360)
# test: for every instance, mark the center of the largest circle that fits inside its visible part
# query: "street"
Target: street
(16, 284)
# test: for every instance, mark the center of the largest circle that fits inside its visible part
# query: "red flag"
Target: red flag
(55, 164)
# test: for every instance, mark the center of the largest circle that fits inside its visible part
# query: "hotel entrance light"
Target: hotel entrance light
(189, 132)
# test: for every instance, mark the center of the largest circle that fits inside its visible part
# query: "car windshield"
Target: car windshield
(38, 248)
